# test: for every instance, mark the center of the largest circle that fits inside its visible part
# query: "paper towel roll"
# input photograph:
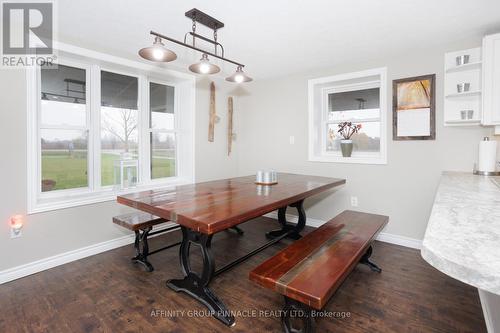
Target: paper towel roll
(487, 156)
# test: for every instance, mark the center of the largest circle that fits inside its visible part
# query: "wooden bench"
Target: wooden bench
(309, 271)
(142, 224)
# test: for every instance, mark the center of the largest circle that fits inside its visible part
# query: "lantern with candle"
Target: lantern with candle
(125, 171)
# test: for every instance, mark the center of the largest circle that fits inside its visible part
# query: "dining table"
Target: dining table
(206, 208)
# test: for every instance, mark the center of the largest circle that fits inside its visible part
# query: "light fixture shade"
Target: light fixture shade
(204, 66)
(158, 52)
(239, 76)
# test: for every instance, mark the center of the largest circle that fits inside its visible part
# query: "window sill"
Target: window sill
(66, 201)
(379, 160)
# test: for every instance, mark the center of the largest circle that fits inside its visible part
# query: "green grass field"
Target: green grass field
(71, 171)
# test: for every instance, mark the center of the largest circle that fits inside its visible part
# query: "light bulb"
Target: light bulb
(157, 54)
(16, 221)
(239, 78)
(204, 68)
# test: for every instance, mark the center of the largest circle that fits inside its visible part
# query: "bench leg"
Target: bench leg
(286, 226)
(298, 310)
(195, 285)
(142, 256)
(366, 261)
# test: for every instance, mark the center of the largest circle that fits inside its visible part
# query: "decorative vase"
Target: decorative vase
(346, 147)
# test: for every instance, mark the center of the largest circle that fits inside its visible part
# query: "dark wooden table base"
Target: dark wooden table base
(196, 285)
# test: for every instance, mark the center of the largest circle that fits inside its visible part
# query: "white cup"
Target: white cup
(470, 114)
(463, 87)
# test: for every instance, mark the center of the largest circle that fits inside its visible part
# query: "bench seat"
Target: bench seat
(138, 220)
(311, 269)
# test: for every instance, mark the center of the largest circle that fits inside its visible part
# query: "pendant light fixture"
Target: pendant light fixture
(204, 66)
(239, 76)
(158, 52)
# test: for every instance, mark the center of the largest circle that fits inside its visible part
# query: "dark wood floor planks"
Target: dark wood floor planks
(107, 293)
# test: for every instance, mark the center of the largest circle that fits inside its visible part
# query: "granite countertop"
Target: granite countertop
(463, 234)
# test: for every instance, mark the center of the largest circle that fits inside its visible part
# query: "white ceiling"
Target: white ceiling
(278, 37)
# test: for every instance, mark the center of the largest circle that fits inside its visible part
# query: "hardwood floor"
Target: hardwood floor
(107, 293)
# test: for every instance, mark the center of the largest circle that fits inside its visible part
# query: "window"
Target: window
(162, 130)
(359, 106)
(356, 97)
(87, 114)
(63, 128)
(119, 121)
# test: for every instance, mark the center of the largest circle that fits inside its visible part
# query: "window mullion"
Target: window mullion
(95, 125)
(66, 127)
(144, 131)
(178, 136)
(38, 135)
(361, 120)
(88, 120)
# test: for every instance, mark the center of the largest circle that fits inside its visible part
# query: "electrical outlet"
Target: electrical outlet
(292, 139)
(15, 233)
(354, 201)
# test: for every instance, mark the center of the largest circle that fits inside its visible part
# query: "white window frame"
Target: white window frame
(149, 130)
(95, 62)
(39, 126)
(318, 121)
(97, 117)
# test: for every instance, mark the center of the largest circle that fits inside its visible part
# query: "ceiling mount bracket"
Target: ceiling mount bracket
(205, 19)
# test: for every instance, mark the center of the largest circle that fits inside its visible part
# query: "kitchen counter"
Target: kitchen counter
(463, 234)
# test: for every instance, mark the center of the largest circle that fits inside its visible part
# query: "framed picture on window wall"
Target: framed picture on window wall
(414, 108)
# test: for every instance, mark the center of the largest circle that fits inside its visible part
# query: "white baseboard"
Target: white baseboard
(383, 236)
(64, 258)
(400, 240)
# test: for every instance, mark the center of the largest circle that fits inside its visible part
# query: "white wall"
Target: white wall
(56, 232)
(212, 160)
(403, 189)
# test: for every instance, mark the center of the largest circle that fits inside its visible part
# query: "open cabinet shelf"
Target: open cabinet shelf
(464, 94)
(455, 102)
(465, 67)
(464, 122)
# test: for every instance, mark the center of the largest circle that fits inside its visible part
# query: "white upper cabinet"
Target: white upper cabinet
(491, 80)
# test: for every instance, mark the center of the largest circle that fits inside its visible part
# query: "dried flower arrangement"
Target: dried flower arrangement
(347, 129)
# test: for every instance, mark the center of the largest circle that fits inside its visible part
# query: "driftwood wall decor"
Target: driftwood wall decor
(230, 134)
(212, 114)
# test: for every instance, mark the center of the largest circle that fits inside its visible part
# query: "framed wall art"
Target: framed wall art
(414, 108)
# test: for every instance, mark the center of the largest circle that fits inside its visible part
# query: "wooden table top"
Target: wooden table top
(213, 206)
